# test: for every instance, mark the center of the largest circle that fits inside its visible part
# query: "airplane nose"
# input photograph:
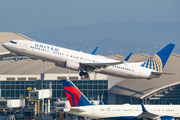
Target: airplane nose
(4, 45)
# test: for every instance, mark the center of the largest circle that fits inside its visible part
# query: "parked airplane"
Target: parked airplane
(81, 106)
(84, 62)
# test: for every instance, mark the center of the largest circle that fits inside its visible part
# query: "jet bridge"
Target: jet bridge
(11, 103)
(60, 105)
(36, 101)
(3, 103)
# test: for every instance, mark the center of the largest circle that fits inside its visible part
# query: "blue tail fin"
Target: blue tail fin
(101, 102)
(94, 51)
(158, 61)
(143, 108)
(74, 95)
(127, 58)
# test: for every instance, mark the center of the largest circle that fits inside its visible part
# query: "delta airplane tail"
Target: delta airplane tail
(74, 95)
(158, 61)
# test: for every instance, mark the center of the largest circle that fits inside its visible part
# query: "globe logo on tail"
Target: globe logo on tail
(153, 63)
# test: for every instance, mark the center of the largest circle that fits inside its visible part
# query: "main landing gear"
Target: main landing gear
(85, 74)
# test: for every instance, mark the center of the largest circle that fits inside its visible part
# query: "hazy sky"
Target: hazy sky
(36, 15)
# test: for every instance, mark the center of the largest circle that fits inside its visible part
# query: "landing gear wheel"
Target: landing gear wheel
(81, 73)
(86, 75)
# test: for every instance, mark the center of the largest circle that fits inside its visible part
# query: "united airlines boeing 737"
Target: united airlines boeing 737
(84, 62)
(81, 106)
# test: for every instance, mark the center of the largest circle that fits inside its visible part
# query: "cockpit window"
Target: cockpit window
(13, 42)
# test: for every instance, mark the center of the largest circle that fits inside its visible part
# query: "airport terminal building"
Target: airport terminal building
(19, 75)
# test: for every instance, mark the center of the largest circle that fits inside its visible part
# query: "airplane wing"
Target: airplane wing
(161, 73)
(7, 54)
(147, 115)
(98, 65)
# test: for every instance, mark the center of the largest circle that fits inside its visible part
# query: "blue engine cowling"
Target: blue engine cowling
(167, 118)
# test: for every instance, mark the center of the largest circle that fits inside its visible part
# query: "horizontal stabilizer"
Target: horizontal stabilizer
(161, 73)
(76, 110)
(72, 109)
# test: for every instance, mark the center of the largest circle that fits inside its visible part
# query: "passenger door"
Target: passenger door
(93, 111)
(24, 45)
(28, 46)
(177, 111)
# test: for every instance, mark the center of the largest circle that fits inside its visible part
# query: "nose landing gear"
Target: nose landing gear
(85, 74)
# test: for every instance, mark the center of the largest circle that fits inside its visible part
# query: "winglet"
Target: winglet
(143, 108)
(127, 58)
(94, 51)
(101, 102)
(74, 95)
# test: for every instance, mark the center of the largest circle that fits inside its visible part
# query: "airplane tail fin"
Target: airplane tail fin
(143, 108)
(127, 58)
(158, 61)
(94, 51)
(74, 95)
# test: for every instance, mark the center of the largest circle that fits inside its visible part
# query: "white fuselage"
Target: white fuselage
(59, 55)
(123, 111)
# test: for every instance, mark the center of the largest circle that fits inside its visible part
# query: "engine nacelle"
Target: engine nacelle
(70, 64)
(162, 118)
(167, 118)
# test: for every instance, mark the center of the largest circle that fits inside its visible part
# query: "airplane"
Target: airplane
(81, 106)
(85, 63)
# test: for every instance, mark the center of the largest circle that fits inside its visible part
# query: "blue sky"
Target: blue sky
(37, 15)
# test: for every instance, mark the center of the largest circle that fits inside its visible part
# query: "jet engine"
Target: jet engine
(167, 118)
(155, 118)
(70, 64)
